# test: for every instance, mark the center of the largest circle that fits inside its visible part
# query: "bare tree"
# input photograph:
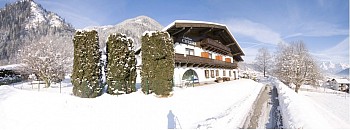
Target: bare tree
(295, 65)
(263, 60)
(49, 58)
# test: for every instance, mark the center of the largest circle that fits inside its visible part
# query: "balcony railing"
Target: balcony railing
(197, 61)
(215, 46)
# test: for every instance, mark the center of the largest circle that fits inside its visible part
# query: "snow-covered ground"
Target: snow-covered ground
(333, 104)
(222, 105)
(65, 87)
(313, 108)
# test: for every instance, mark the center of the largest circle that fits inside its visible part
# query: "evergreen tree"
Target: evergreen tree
(157, 63)
(86, 67)
(120, 64)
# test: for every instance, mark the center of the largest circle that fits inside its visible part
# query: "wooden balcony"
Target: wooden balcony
(196, 61)
(215, 46)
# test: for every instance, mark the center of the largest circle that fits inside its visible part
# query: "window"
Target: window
(223, 73)
(189, 51)
(212, 74)
(229, 73)
(210, 56)
(217, 72)
(206, 72)
(190, 75)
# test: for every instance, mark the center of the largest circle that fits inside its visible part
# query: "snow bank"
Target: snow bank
(298, 112)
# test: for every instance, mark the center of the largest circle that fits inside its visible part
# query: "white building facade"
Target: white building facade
(202, 73)
(204, 52)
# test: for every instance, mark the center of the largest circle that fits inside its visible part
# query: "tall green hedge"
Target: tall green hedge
(86, 76)
(157, 63)
(121, 65)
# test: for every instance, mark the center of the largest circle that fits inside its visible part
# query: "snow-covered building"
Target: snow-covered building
(204, 51)
(341, 84)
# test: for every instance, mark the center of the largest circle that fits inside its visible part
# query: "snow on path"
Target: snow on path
(270, 117)
(222, 105)
(260, 110)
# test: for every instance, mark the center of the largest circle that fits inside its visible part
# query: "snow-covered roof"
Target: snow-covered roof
(344, 81)
(217, 31)
(10, 67)
(190, 21)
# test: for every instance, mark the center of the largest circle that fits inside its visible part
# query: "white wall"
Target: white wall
(179, 71)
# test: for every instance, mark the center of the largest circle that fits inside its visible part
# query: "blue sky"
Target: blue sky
(322, 24)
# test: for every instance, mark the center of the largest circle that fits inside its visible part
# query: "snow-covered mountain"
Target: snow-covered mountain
(24, 22)
(39, 15)
(332, 68)
(133, 27)
(344, 72)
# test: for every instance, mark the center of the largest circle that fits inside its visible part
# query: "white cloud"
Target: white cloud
(252, 50)
(323, 29)
(250, 54)
(293, 35)
(319, 29)
(338, 53)
(265, 36)
(257, 31)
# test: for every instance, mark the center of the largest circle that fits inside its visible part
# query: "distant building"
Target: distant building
(204, 52)
(339, 84)
(10, 74)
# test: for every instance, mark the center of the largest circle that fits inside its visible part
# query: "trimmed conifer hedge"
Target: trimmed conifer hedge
(121, 65)
(157, 63)
(86, 76)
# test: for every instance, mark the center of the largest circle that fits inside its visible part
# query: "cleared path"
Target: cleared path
(266, 113)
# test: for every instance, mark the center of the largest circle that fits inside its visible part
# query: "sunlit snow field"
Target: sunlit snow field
(221, 105)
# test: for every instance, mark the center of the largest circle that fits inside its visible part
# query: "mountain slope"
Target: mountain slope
(344, 72)
(23, 23)
(332, 68)
(133, 27)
